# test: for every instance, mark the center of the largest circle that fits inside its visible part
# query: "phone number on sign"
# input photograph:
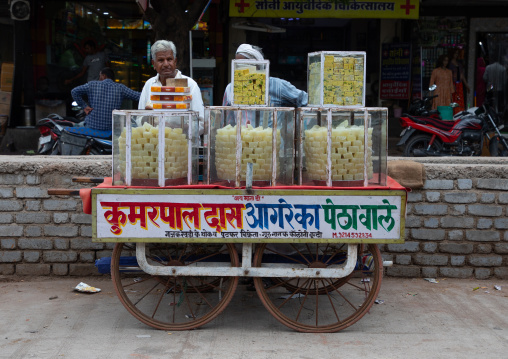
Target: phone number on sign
(352, 235)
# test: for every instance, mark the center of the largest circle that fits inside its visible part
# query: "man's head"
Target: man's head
(164, 59)
(106, 73)
(90, 47)
(246, 51)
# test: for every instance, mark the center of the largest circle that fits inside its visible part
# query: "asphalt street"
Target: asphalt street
(44, 318)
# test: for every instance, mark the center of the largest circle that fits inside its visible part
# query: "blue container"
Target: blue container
(446, 112)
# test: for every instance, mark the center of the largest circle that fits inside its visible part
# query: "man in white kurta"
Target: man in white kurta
(164, 62)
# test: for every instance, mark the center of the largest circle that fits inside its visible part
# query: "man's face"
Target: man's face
(89, 50)
(165, 64)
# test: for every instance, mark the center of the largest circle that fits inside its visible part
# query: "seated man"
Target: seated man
(281, 93)
(104, 96)
(164, 61)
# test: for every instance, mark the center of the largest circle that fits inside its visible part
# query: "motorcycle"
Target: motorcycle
(51, 128)
(426, 134)
(61, 136)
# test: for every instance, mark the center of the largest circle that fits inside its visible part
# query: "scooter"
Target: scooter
(428, 135)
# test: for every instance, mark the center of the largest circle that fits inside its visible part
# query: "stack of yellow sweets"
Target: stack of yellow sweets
(342, 81)
(256, 148)
(249, 86)
(145, 152)
(347, 153)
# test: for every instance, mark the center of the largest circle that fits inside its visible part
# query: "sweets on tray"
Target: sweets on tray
(145, 152)
(347, 155)
(343, 80)
(256, 148)
(249, 86)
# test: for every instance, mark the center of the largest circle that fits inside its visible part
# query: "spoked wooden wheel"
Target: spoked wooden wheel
(320, 305)
(173, 302)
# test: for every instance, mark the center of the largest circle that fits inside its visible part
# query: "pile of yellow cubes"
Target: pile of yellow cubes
(343, 80)
(256, 148)
(249, 86)
(145, 152)
(347, 153)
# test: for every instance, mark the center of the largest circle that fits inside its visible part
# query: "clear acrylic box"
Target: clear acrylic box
(155, 148)
(336, 78)
(231, 147)
(331, 148)
(250, 80)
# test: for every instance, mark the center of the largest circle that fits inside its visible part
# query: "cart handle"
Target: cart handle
(63, 191)
(87, 179)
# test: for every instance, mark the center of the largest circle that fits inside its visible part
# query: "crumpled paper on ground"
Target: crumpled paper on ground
(85, 288)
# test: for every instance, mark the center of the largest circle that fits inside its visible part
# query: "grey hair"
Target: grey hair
(162, 45)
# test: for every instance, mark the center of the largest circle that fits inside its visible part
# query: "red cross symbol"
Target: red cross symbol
(407, 7)
(241, 5)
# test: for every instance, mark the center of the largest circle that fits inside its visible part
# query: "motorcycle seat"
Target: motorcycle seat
(85, 131)
(437, 123)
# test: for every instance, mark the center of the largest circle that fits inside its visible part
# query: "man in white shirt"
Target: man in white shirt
(164, 62)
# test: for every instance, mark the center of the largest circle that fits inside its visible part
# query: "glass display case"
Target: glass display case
(342, 147)
(264, 138)
(250, 82)
(155, 148)
(336, 78)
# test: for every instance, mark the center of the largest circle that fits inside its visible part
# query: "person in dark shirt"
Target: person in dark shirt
(104, 96)
(92, 64)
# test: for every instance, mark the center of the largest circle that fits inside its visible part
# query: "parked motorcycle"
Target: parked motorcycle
(60, 136)
(51, 128)
(427, 134)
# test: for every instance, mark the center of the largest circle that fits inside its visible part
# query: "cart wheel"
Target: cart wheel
(320, 305)
(174, 302)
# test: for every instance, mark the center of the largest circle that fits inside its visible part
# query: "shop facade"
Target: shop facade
(286, 30)
(46, 49)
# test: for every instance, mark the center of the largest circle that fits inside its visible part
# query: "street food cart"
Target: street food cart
(297, 200)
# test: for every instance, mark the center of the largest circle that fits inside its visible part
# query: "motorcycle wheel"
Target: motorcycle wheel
(496, 148)
(421, 142)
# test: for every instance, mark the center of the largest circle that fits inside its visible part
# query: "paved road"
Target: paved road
(418, 319)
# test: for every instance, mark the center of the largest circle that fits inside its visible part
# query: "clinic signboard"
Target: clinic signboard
(365, 9)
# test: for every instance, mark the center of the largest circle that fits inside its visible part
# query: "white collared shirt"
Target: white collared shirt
(197, 101)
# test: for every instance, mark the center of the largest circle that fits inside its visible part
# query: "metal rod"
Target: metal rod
(238, 148)
(63, 192)
(266, 270)
(161, 155)
(329, 147)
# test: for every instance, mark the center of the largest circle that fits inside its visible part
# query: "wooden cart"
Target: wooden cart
(312, 252)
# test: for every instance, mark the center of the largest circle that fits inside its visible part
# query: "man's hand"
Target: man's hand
(148, 107)
(67, 82)
(87, 110)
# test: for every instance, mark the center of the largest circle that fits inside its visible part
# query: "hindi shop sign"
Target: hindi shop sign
(395, 71)
(245, 218)
(374, 9)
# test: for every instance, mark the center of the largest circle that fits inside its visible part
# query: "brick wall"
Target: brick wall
(456, 226)
(42, 234)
